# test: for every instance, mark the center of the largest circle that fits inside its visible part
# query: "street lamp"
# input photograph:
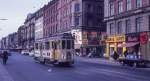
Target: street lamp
(3, 20)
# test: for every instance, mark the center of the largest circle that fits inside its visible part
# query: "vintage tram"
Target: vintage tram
(58, 49)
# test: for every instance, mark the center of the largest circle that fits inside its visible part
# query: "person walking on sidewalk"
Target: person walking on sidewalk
(115, 56)
(5, 57)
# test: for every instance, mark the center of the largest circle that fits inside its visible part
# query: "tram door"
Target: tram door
(54, 46)
(41, 48)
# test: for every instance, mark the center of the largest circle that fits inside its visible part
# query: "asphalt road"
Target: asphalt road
(23, 68)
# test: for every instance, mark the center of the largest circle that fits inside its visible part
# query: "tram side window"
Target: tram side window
(40, 47)
(36, 45)
(63, 44)
(68, 44)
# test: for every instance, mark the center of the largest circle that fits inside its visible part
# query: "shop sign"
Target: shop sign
(110, 39)
(143, 38)
(134, 37)
(120, 38)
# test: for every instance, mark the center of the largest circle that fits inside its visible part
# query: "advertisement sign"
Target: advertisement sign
(120, 38)
(78, 36)
(143, 38)
(110, 39)
(134, 37)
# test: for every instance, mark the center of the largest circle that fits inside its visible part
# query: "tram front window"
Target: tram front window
(68, 44)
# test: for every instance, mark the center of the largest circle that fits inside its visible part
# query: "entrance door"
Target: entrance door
(111, 51)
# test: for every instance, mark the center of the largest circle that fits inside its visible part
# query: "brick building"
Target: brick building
(126, 21)
(50, 21)
(82, 18)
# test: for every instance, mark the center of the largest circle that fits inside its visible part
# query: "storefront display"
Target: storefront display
(132, 43)
(115, 44)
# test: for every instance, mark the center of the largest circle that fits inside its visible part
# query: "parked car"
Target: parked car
(25, 52)
(31, 53)
(133, 60)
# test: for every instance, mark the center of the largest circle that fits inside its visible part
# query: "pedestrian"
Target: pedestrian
(126, 53)
(5, 57)
(115, 55)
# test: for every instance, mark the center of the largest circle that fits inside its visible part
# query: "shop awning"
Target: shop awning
(131, 44)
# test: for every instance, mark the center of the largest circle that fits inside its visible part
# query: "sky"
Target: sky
(16, 11)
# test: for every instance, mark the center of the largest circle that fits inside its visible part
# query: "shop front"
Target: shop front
(91, 44)
(115, 44)
(145, 45)
(87, 42)
(132, 43)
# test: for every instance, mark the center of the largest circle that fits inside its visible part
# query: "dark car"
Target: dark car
(133, 60)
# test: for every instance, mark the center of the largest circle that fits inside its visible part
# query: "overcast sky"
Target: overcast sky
(16, 11)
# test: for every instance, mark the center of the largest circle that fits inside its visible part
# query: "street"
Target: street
(23, 68)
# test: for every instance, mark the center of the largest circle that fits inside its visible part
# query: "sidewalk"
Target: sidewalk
(98, 60)
(105, 62)
(4, 75)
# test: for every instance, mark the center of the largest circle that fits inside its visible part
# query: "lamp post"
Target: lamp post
(3, 20)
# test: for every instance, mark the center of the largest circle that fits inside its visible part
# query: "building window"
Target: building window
(128, 26)
(138, 24)
(111, 9)
(77, 21)
(89, 8)
(138, 3)
(128, 5)
(112, 28)
(77, 7)
(120, 27)
(120, 6)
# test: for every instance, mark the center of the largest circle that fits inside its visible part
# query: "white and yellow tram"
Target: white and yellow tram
(56, 50)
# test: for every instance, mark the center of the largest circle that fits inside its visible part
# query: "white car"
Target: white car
(25, 52)
(31, 53)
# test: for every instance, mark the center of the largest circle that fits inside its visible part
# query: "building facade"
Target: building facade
(82, 18)
(20, 37)
(39, 24)
(29, 32)
(50, 22)
(127, 19)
